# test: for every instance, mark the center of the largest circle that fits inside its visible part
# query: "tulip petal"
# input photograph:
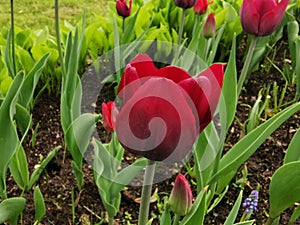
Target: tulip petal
(264, 6)
(250, 17)
(157, 122)
(173, 73)
(272, 19)
(129, 76)
(144, 65)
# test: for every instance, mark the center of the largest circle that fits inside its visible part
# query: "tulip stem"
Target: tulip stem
(13, 37)
(123, 25)
(246, 66)
(180, 32)
(146, 192)
(176, 219)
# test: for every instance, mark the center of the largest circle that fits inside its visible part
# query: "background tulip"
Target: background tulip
(123, 9)
(181, 196)
(200, 6)
(262, 17)
(107, 115)
(162, 111)
(209, 28)
(185, 3)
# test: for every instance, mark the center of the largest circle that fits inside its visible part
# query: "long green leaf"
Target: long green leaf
(241, 151)
(284, 188)
(31, 81)
(10, 209)
(8, 56)
(293, 153)
(39, 204)
(234, 211)
(9, 140)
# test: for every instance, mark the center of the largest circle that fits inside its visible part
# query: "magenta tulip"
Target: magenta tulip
(184, 3)
(181, 197)
(262, 17)
(123, 9)
(162, 111)
(108, 111)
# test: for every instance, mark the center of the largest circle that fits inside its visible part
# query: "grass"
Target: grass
(35, 14)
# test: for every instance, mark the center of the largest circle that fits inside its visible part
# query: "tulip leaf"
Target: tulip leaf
(242, 150)
(293, 153)
(9, 140)
(39, 204)
(165, 218)
(284, 188)
(295, 215)
(31, 81)
(245, 222)
(10, 209)
(234, 211)
(128, 28)
(229, 90)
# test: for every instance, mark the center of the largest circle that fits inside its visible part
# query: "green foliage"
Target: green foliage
(10, 209)
(39, 204)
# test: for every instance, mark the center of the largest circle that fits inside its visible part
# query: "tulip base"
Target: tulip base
(146, 193)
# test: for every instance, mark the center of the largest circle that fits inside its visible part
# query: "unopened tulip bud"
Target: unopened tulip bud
(200, 6)
(108, 110)
(209, 29)
(181, 196)
(185, 3)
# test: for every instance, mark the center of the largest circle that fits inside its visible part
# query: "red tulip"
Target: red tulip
(201, 6)
(107, 115)
(262, 17)
(162, 111)
(185, 3)
(123, 9)
(209, 28)
(181, 196)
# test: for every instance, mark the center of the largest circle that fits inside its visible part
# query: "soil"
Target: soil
(57, 182)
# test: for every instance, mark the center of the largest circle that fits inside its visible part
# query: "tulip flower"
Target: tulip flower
(107, 115)
(200, 6)
(162, 111)
(262, 17)
(123, 9)
(185, 4)
(209, 28)
(181, 196)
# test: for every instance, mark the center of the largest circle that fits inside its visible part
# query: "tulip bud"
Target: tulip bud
(122, 8)
(107, 115)
(262, 17)
(201, 6)
(181, 196)
(209, 29)
(185, 3)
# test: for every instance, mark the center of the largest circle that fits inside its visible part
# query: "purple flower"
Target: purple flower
(251, 203)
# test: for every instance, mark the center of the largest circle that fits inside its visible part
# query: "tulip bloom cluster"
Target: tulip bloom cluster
(162, 111)
(262, 17)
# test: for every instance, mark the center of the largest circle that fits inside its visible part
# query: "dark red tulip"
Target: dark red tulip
(262, 17)
(162, 111)
(200, 6)
(123, 9)
(181, 197)
(107, 115)
(185, 3)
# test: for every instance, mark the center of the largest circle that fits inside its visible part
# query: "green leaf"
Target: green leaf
(242, 150)
(229, 89)
(284, 188)
(234, 211)
(293, 153)
(295, 215)
(129, 27)
(31, 81)
(245, 222)
(39, 204)
(165, 218)
(9, 140)
(37, 172)
(10, 209)
(8, 56)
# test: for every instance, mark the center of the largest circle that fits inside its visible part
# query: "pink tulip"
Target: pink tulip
(184, 3)
(162, 111)
(209, 28)
(123, 9)
(262, 17)
(181, 197)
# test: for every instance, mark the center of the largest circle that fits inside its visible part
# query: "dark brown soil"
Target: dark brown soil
(57, 181)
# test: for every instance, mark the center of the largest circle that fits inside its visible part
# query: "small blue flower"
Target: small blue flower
(251, 203)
